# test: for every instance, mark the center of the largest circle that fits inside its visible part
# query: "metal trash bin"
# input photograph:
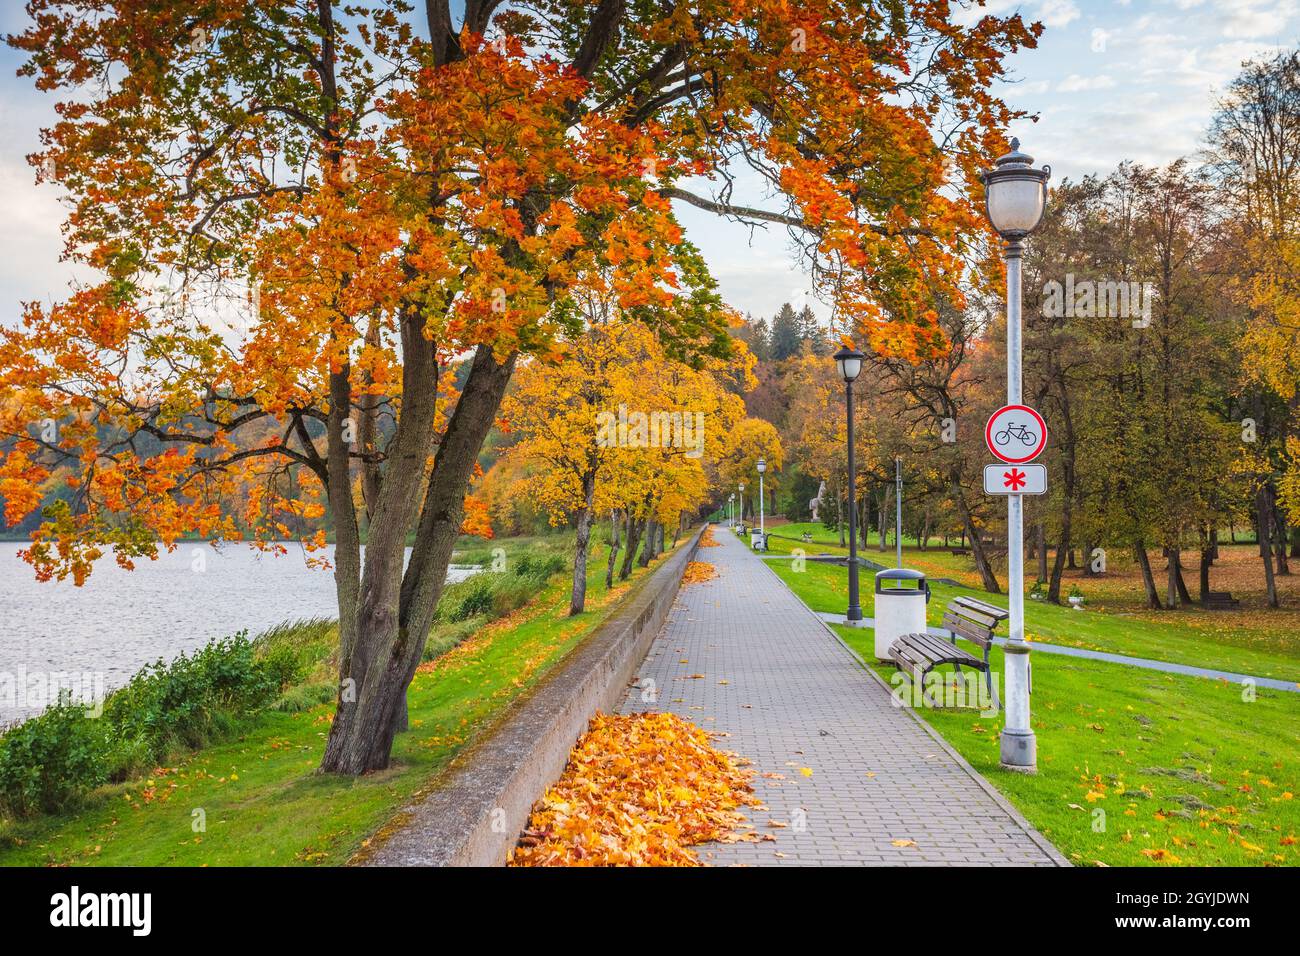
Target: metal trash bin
(901, 597)
(758, 541)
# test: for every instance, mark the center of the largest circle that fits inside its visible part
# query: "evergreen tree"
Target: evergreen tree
(786, 333)
(753, 332)
(811, 331)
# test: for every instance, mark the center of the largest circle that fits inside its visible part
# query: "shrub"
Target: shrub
(198, 697)
(538, 566)
(49, 761)
(472, 597)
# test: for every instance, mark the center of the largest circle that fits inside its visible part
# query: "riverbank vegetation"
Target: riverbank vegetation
(250, 794)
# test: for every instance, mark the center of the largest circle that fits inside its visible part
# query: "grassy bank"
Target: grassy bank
(256, 799)
(1135, 766)
(1260, 643)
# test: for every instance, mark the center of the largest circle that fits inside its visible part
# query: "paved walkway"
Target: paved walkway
(854, 779)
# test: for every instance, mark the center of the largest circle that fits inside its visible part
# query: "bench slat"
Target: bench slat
(914, 652)
(934, 650)
(983, 636)
(990, 611)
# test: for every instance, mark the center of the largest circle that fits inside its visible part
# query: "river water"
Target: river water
(93, 638)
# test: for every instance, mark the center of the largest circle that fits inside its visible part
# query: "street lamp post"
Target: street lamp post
(849, 362)
(741, 486)
(898, 515)
(731, 511)
(1015, 195)
(762, 501)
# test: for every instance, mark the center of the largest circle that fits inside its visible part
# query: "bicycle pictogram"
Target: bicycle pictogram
(1015, 430)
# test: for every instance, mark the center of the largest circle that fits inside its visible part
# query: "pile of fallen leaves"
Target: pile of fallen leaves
(639, 790)
(706, 539)
(697, 571)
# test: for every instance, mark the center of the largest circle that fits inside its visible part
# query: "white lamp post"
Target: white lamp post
(762, 501)
(731, 510)
(742, 503)
(1015, 195)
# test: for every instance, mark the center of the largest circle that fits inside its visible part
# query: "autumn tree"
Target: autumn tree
(613, 401)
(1255, 153)
(410, 204)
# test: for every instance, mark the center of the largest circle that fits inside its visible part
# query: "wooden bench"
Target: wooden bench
(964, 617)
(1220, 601)
(959, 552)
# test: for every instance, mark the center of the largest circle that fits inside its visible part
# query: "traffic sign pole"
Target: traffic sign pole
(1019, 749)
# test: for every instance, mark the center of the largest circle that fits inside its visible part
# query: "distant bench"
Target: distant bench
(964, 617)
(1220, 601)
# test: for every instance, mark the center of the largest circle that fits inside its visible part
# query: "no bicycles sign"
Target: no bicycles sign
(1016, 434)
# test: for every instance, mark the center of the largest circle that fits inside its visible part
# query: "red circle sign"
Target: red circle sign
(1016, 434)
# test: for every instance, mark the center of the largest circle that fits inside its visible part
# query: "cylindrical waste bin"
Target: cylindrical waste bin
(901, 596)
(758, 541)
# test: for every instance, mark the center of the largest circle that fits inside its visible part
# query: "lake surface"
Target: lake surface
(93, 638)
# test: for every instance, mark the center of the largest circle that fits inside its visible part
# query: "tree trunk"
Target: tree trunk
(1041, 548)
(1181, 584)
(971, 533)
(1171, 585)
(884, 518)
(1281, 533)
(1058, 567)
(1295, 542)
(1263, 513)
(839, 520)
(923, 542)
(1176, 588)
(578, 597)
(381, 646)
(1207, 558)
(1148, 580)
(1088, 549)
(648, 548)
(634, 528)
(615, 526)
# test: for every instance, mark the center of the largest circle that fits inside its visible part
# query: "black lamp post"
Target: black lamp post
(849, 361)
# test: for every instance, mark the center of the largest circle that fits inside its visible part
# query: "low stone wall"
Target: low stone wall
(476, 811)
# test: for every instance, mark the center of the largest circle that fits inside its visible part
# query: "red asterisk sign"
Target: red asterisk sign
(1013, 479)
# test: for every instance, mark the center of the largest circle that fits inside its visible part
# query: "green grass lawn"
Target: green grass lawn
(1232, 642)
(259, 796)
(1135, 766)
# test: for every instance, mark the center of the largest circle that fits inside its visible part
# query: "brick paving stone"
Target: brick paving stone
(742, 655)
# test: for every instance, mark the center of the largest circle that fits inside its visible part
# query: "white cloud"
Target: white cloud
(1057, 13)
(1074, 83)
(1255, 18)
(30, 241)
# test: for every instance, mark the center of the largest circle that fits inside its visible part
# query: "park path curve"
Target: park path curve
(883, 788)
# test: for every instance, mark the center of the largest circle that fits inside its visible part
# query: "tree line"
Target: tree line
(1161, 344)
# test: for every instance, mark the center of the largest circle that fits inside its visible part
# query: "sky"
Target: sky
(1110, 80)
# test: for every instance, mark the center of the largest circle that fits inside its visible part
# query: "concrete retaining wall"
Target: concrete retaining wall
(477, 810)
